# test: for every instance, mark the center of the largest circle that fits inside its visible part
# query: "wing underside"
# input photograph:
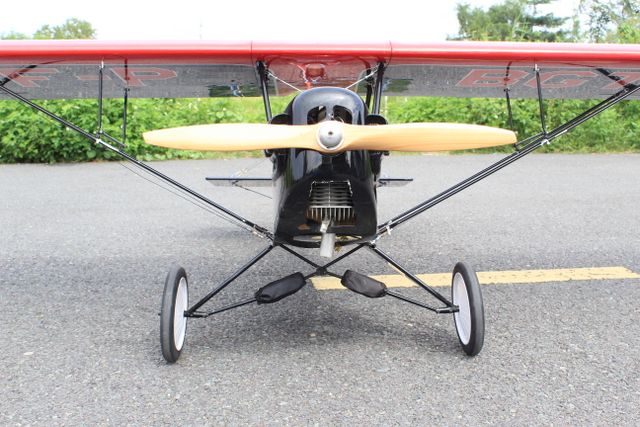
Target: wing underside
(69, 70)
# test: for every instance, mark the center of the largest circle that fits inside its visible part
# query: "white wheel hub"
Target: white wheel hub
(179, 321)
(462, 318)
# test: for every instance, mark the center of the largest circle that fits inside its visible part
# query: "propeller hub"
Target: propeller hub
(330, 135)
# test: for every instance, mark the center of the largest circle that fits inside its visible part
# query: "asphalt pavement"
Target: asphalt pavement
(85, 248)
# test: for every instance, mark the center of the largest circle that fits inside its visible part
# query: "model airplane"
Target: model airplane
(327, 146)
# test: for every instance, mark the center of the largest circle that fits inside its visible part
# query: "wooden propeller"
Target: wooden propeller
(331, 137)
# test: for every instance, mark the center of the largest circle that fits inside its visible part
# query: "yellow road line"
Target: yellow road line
(496, 277)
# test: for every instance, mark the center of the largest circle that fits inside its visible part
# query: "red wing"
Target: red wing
(69, 69)
(486, 69)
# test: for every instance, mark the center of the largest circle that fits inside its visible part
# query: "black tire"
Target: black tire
(469, 322)
(171, 348)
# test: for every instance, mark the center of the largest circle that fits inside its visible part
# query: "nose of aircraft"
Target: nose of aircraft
(330, 134)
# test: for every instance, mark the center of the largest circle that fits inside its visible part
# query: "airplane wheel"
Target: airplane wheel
(173, 323)
(469, 320)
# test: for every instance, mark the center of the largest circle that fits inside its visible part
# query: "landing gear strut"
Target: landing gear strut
(465, 305)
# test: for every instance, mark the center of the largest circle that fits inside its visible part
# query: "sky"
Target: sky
(322, 20)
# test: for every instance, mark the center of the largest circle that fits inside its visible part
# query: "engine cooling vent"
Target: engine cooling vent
(331, 201)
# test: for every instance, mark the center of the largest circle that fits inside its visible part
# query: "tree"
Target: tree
(513, 20)
(616, 21)
(12, 35)
(72, 28)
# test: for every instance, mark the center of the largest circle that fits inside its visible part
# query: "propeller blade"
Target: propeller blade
(233, 137)
(331, 137)
(427, 137)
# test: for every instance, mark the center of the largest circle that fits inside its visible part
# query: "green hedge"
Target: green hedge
(27, 136)
(615, 130)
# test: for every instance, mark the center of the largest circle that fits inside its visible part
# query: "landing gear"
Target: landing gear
(173, 322)
(465, 304)
(175, 302)
(469, 319)
(466, 299)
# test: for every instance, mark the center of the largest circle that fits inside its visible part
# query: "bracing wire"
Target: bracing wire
(286, 83)
(252, 191)
(368, 76)
(191, 200)
(244, 172)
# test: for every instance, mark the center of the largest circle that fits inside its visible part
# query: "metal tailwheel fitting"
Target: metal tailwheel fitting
(173, 322)
(469, 319)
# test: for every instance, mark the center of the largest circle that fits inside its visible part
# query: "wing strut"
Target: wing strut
(98, 139)
(508, 97)
(540, 100)
(523, 148)
(377, 96)
(264, 89)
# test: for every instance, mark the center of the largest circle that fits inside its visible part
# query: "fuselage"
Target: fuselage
(317, 194)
